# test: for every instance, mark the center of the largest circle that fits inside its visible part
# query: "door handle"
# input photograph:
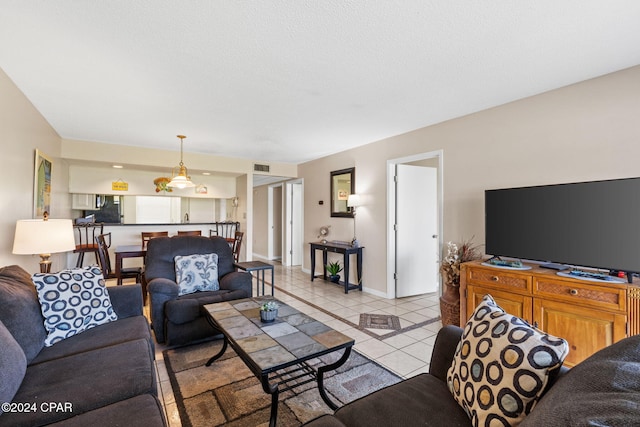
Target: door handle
(435, 236)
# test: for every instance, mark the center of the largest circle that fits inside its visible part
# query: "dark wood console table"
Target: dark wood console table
(346, 250)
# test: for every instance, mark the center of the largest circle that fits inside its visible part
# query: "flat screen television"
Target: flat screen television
(586, 224)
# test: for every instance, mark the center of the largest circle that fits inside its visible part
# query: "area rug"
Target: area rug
(380, 321)
(227, 393)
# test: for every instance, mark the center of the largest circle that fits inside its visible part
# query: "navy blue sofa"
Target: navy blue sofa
(102, 376)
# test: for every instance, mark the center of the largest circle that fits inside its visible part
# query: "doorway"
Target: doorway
(284, 223)
(293, 238)
(414, 228)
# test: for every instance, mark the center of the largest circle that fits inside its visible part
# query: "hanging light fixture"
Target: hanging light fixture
(181, 179)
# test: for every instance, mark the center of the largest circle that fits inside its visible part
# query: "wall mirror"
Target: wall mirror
(343, 183)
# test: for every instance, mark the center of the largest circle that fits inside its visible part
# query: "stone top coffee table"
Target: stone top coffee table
(267, 348)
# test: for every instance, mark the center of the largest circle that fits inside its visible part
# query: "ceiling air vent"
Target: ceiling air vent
(260, 168)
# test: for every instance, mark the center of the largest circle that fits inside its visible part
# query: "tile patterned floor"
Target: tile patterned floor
(407, 353)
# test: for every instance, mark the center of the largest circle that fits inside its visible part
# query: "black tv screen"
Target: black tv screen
(588, 224)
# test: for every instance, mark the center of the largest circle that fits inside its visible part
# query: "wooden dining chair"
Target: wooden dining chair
(85, 234)
(105, 261)
(237, 244)
(146, 235)
(189, 233)
(226, 229)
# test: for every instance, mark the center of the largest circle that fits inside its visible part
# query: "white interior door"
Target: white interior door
(416, 230)
(293, 225)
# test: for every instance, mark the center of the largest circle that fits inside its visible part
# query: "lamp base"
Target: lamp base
(45, 263)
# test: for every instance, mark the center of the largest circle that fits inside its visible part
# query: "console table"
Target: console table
(346, 250)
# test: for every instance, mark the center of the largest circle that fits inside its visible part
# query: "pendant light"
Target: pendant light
(181, 179)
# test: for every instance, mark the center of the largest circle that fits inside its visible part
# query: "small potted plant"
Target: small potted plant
(269, 311)
(333, 268)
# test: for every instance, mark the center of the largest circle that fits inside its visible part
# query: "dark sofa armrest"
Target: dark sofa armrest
(237, 280)
(161, 290)
(443, 350)
(166, 287)
(126, 300)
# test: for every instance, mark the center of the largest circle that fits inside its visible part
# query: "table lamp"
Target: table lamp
(43, 237)
(353, 202)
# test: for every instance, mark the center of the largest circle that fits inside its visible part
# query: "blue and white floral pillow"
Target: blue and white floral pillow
(197, 272)
(72, 301)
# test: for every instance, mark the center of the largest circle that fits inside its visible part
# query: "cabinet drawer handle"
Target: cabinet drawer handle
(573, 292)
(495, 278)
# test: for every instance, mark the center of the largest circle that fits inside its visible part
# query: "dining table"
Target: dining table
(127, 251)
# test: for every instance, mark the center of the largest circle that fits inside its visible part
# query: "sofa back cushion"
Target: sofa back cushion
(162, 251)
(20, 310)
(13, 363)
(603, 390)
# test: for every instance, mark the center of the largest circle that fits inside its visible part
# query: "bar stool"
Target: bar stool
(86, 234)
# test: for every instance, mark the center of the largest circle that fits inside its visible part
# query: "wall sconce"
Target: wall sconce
(353, 202)
(43, 237)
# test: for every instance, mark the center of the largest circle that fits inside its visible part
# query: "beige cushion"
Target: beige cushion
(502, 366)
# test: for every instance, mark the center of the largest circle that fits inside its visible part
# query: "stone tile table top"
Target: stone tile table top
(291, 338)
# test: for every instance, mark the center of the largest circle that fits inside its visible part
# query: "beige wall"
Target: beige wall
(23, 131)
(260, 221)
(582, 132)
(587, 131)
(244, 214)
(99, 180)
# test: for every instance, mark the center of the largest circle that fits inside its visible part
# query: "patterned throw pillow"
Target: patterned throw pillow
(502, 366)
(197, 273)
(72, 301)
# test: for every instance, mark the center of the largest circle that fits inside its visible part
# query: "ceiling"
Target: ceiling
(294, 80)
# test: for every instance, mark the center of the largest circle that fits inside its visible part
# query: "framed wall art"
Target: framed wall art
(42, 185)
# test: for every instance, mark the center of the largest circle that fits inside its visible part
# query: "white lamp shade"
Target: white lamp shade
(353, 200)
(37, 236)
(180, 181)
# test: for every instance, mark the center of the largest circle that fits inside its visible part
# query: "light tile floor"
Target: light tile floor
(407, 353)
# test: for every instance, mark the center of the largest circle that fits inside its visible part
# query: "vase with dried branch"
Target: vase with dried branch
(450, 270)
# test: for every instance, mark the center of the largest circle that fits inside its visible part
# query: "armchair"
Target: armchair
(179, 319)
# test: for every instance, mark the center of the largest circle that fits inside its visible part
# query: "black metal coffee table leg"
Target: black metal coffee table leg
(323, 369)
(271, 389)
(219, 354)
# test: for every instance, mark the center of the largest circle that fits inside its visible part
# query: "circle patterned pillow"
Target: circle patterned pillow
(501, 366)
(72, 301)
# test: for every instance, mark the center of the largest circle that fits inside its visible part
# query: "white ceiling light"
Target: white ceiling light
(181, 179)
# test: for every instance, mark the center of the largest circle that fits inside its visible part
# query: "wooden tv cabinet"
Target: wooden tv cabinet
(589, 315)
